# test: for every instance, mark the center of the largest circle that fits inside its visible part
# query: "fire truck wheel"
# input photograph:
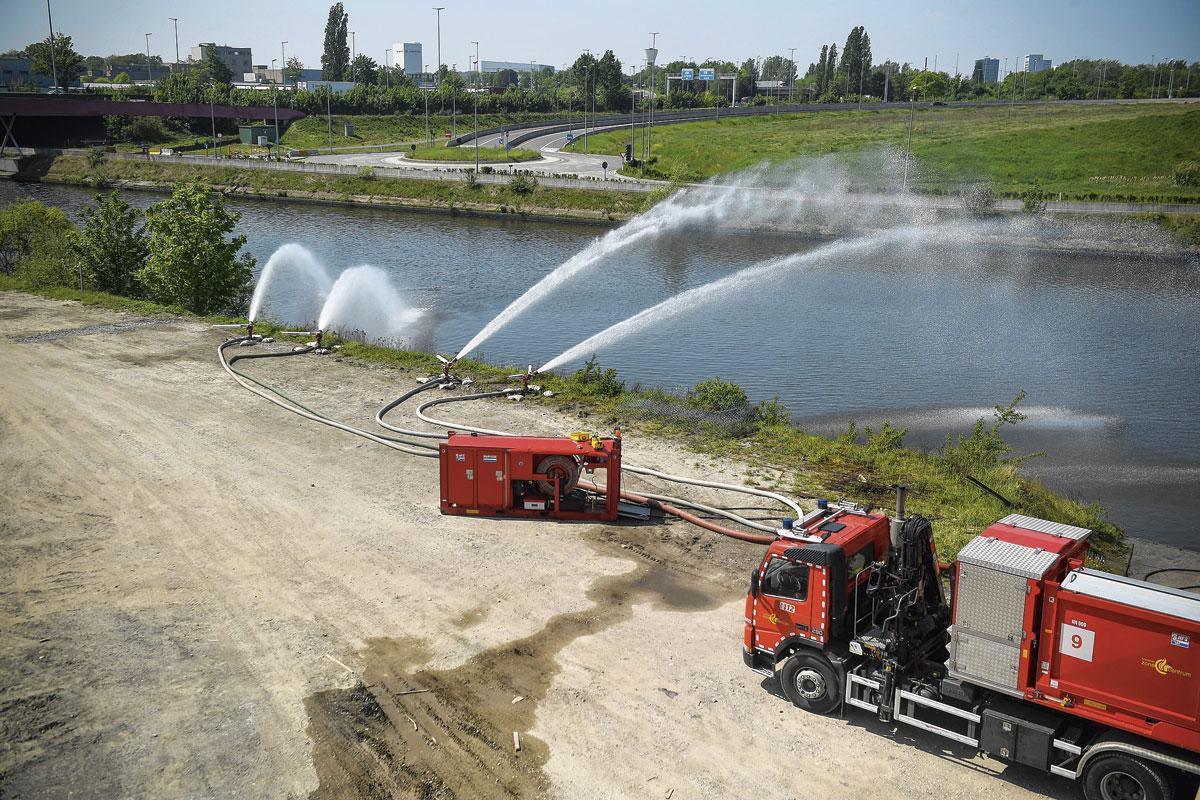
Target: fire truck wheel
(1122, 777)
(810, 683)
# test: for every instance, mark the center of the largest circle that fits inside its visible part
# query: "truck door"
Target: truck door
(782, 608)
(491, 480)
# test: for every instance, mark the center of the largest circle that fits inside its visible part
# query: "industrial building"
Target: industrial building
(1035, 63)
(987, 70)
(408, 55)
(515, 66)
(238, 59)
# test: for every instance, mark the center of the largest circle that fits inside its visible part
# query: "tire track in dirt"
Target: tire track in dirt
(456, 739)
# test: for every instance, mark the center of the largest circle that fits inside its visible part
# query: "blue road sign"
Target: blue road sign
(708, 74)
(687, 74)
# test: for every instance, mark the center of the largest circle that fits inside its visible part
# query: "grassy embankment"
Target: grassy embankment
(790, 458)
(312, 133)
(449, 195)
(466, 155)
(1106, 152)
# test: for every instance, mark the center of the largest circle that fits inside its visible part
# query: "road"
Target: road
(554, 161)
(202, 595)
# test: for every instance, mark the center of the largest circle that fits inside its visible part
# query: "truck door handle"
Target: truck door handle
(802, 626)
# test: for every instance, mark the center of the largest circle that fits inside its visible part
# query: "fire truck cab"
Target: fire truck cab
(803, 590)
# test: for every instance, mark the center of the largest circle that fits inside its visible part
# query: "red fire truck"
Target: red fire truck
(1015, 649)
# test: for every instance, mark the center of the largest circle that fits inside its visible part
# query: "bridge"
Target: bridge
(47, 120)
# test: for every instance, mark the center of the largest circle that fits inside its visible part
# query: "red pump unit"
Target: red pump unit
(530, 476)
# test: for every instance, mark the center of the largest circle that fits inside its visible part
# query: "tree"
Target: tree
(67, 62)
(112, 245)
(179, 87)
(506, 77)
(212, 70)
(818, 70)
(928, 84)
(856, 61)
(611, 82)
(747, 82)
(362, 70)
(193, 261)
(336, 56)
(293, 70)
(778, 68)
(829, 79)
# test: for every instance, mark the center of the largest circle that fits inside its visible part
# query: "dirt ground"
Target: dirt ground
(202, 595)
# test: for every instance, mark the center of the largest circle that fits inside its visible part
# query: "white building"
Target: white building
(408, 55)
(1035, 63)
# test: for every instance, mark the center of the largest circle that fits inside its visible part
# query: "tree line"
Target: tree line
(845, 74)
(179, 252)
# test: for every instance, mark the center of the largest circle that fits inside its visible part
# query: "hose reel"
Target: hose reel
(565, 468)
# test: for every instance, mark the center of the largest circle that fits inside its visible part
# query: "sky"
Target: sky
(557, 32)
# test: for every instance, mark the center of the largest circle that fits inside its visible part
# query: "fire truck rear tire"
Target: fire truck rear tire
(1122, 777)
(810, 683)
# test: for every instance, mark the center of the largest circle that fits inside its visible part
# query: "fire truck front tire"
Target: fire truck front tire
(810, 683)
(1121, 777)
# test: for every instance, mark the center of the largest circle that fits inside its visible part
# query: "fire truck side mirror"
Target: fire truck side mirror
(754, 583)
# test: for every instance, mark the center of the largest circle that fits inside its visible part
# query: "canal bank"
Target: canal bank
(928, 335)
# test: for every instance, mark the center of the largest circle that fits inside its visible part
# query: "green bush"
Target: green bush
(717, 394)
(595, 381)
(886, 438)
(35, 244)
(985, 447)
(366, 173)
(522, 184)
(771, 412)
(1186, 173)
(1034, 199)
(112, 245)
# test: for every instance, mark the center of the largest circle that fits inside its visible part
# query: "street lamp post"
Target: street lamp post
(791, 72)
(651, 54)
(428, 135)
(175, 21)
(478, 69)
(275, 105)
(439, 10)
(149, 71)
(387, 68)
(283, 63)
(53, 58)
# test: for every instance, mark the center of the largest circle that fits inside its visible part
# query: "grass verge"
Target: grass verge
(1121, 153)
(366, 187)
(491, 155)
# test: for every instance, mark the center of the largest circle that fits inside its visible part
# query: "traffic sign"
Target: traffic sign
(708, 74)
(687, 74)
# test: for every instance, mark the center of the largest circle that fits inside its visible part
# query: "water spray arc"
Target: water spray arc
(296, 288)
(817, 194)
(694, 298)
